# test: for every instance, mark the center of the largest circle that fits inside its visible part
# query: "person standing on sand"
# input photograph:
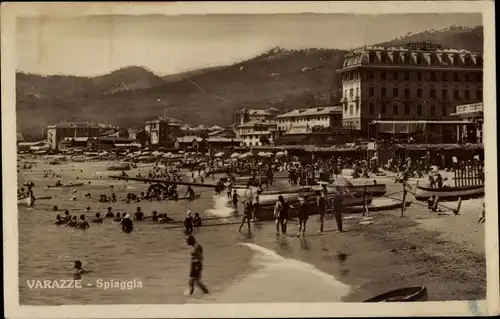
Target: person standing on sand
(303, 216)
(281, 215)
(322, 208)
(338, 208)
(247, 215)
(196, 265)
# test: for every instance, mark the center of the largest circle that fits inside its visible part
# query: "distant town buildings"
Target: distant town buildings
(420, 81)
(58, 133)
(256, 133)
(247, 115)
(304, 120)
(162, 132)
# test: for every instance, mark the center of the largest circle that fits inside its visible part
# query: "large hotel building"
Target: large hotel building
(421, 81)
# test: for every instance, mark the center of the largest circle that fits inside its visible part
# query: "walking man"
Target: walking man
(247, 215)
(303, 216)
(338, 207)
(322, 208)
(281, 215)
(196, 265)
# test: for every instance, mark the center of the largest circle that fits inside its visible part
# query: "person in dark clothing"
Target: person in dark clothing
(337, 208)
(197, 220)
(59, 220)
(281, 215)
(165, 219)
(154, 218)
(109, 213)
(322, 208)
(127, 224)
(235, 200)
(188, 223)
(303, 216)
(247, 215)
(98, 219)
(139, 215)
(196, 265)
(190, 192)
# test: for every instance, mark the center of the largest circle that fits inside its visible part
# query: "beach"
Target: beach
(443, 252)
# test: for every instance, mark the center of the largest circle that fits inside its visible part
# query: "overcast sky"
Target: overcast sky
(172, 44)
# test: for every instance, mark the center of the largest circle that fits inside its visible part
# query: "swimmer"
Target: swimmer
(79, 271)
(72, 222)
(98, 219)
(118, 219)
(87, 196)
(197, 220)
(127, 224)
(109, 213)
(55, 208)
(67, 216)
(155, 217)
(139, 215)
(59, 220)
(58, 183)
(165, 219)
(82, 223)
(87, 210)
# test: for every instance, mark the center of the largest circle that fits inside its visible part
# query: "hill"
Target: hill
(285, 79)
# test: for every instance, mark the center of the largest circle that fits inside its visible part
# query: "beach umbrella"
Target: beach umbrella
(245, 155)
(234, 155)
(156, 153)
(261, 154)
(220, 154)
(279, 154)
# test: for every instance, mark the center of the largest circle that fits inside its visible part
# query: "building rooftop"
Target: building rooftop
(312, 112)
(222, 140)
(413, 54)
(189, 139)
(258, 123)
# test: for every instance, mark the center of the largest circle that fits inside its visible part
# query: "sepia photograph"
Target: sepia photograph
(236, 158)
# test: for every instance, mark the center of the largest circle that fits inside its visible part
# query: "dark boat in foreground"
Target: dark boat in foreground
(409, 294)
(448, 193)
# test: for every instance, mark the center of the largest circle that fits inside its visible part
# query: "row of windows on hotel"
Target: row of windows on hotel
(451, 59)
(434, 76)
(420, 93)
(395, 109)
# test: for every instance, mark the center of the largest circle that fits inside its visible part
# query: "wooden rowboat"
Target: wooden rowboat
(377, 205)
(66, 185)
(409, 294)
(449, 193)
(27, 201)
(374, 189)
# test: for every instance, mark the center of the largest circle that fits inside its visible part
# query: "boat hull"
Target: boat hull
(373, 189)
(449, 193)
(266, 210)
(65, 186)
(410, 294)
(376, 206)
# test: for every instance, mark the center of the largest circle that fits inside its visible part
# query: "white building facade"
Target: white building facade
(252, 133)
(304, 119)
(420, 81)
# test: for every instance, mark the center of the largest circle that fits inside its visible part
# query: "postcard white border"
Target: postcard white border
(10, 232)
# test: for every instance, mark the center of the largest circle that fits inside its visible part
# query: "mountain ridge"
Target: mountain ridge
(283, 78)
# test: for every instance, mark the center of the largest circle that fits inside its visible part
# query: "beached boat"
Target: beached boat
(66, 185)
(27, 201)
(409, 294)
(119, 167)
(448, 193)
(267, 202)
(377, 204)
(374, 189)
